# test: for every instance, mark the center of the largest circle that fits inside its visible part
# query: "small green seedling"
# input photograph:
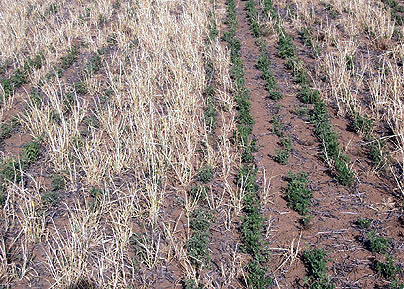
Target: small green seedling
(377, 244)
(363, 223)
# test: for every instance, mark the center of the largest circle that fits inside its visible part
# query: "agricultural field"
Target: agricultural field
(202, 144)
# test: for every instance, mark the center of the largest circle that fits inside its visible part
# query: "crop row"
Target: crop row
(252, 223)
(324, 130)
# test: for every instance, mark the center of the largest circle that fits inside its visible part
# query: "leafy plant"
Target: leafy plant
(205, 174)
(363, 223)
(80, 87)
(297, 193)
(70, 57)
(51, 198)
(377, 244)
(315, 262)
(94, 64)
(282, 155)
(387, 269)
(58, 182)
(257, 276)
(31, 152)
(198, 244)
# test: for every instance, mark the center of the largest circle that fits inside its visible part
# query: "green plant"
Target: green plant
(315, 262)
(198, 244)
(51, 198)
(387, 269)
(297, 193)
(396, 285)
(282, 155)
(31, 152)
(363, 223)
(377, 153)
(70, 57)
(35, 63)
(5, 131)
(191, 284)
(362, 124)
(10, 171)
(350, 62)
(205, 174)
(198, 193)
(277, 126)
(377, 244)
(257, 276)
(58, 182)
(36, 97)
(94, 64)
(80, 87)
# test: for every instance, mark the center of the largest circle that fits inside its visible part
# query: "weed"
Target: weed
(82, 284)
(387, 269)
(297, 194)
(377, 244)
(363, 223)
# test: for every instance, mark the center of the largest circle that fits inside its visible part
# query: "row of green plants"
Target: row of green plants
(252, 222)
(201, 217)
(377, 244)
(359, 122)
(319, 115)
(282, 153)
(19, 76)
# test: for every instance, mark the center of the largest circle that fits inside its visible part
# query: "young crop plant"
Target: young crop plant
(264, 64)
(362, 124)
(282, 154)
(205, 174)
(70, 57)
(387, 269)
(377, 244)
(31, 152)
(363, 223)
(315, 262)
(94, 64)
(377, 153)
(298, 194)
(198, 244)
